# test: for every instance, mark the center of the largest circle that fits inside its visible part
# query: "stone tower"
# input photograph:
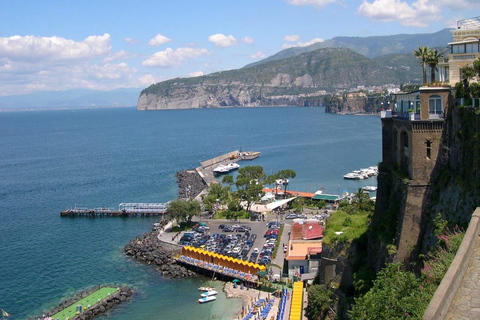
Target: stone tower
(411, 141)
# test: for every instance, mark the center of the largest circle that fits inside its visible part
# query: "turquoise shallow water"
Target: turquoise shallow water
(52, 160)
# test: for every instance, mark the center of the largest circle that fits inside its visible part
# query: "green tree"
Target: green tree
(476, 66)
(216, 193)
(319, 300)
(228, 180)
(422, 54)
(249, 184)
(394, 295)
(285, 175)
(468, 73)
(183, 210)
(432, 61)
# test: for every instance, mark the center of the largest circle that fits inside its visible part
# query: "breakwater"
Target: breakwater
(121, 295)
(190, 184)
(149, 249)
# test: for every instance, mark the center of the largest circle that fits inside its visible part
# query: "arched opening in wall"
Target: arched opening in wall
(405, 152)
(428, 144)
(435, 107)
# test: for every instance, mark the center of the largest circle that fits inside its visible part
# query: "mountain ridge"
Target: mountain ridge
(300, 77)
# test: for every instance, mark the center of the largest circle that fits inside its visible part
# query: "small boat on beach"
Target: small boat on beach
(207, 299)
(209, 293)
(206, 289)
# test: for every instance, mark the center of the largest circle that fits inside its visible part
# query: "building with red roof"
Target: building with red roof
(304, 248)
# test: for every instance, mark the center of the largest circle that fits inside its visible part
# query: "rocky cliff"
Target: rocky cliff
(300, 80)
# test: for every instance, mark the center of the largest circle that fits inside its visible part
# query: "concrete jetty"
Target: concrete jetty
(206, 167)
(187, 180)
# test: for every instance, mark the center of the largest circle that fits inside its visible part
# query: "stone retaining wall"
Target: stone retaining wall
(446, 291)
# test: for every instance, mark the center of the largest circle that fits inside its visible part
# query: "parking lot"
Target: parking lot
(246, 240)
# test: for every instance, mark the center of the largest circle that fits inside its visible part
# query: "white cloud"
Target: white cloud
(416, 15)
(119, 55)
(147, 79)
(292, 38)
(196, 74)
(288, 45)
(32, 48)
(171, 58)
(248, 40)
(221, 40)
(258, 55)
(31, 63)
(158, 40)
(315, 3)
(304, 44)
(33, 77)
(299, 43)
(131, 40)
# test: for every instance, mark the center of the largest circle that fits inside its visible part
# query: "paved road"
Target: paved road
(466, 304)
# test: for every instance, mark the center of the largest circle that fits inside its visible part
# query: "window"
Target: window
(429, 149)
(471, 47)
(458, 48)
(435, 105)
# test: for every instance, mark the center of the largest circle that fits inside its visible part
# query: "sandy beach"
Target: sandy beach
(249, 297)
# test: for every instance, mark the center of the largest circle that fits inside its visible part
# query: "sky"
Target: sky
(51, 45)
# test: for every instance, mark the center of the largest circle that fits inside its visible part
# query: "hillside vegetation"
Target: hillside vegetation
(268, 84)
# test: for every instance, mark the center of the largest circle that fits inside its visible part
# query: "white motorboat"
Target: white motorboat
(207, 299)
(353, 176)
(206, 289)
(209, 293)
(226, 168)
(370, 188)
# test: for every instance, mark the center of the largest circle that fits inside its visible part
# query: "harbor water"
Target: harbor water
(53, 160)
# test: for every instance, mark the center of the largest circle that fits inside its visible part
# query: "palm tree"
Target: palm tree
(422, 55)
(432, 61)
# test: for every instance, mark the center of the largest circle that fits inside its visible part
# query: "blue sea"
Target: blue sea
(54, 160)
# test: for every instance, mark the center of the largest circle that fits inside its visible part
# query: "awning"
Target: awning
(325, 197)
(276, 204)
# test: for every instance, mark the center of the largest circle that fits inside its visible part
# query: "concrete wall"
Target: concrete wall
(218, 159)
(441, 301)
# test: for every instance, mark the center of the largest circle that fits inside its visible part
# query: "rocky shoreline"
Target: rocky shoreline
(190, 184)
(149, 249)
(123, 294)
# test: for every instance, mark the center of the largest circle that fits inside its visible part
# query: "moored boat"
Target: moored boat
(209, 293)
(207, 299)
(206, 289)
(224, 168)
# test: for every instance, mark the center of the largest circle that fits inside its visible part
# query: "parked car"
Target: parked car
(291, 216)
(227, 229)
